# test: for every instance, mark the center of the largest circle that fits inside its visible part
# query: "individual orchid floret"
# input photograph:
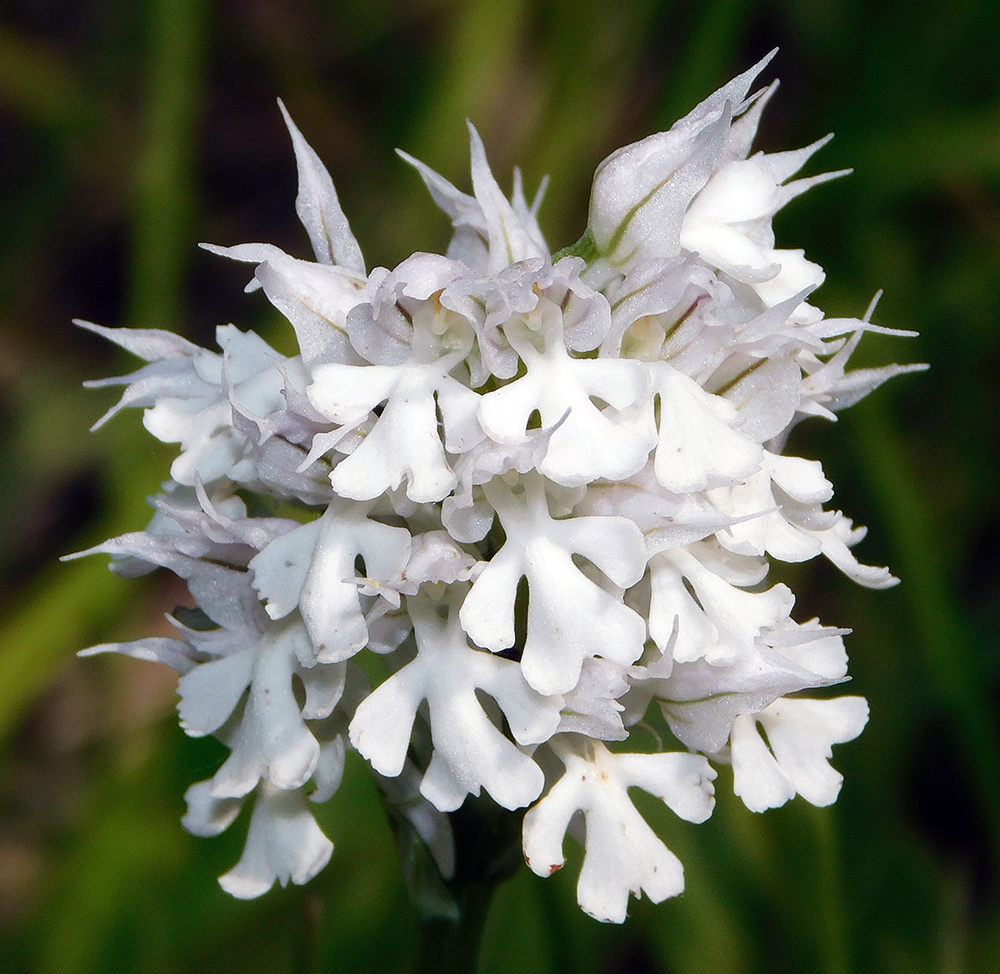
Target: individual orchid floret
(405, 319)
(570, 617)
(697, 446)
(779, 511)
(795, 760)
(403, 443)
(467, 513)
(470, 751)
(700, 700)
(219, 585)
(591, 441)
(525, 292)
(623, 854)
(284, 843)
(271, 741)
(313, 569)
(490, 232)
(707, 591)
(642, 192)
(242, 689)
(182, 393)
(827, 387)
(728, 225)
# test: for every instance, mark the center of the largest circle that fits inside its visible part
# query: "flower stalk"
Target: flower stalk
(488, 852)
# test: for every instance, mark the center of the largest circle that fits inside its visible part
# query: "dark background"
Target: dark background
(130, 130)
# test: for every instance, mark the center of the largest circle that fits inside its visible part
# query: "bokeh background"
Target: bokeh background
(130, 130)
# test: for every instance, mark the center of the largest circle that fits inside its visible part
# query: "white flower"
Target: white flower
(544, 490)
(623, 855)
(729, 226)
(587, 442)
(402, 441)
(284, 842)
(330, 597)
(641, 192)
(698, 446)
(800, 735)
(469, 749)
(705, 590)
(570, 616)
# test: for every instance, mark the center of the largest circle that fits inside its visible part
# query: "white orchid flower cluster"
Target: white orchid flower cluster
(543, 489)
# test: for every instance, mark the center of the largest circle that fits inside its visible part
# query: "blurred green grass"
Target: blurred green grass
(132, 130)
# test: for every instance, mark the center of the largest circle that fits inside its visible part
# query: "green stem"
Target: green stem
(452, 947)
(487, 852)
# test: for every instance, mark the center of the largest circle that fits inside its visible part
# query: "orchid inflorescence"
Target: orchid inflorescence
(544, 489)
